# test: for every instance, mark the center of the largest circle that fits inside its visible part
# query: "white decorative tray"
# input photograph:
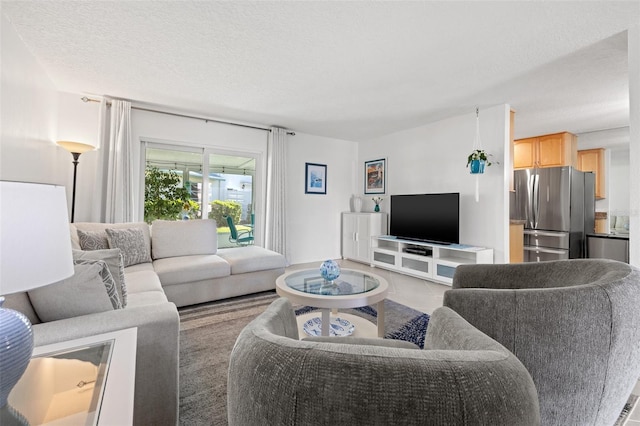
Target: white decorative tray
(339, 327)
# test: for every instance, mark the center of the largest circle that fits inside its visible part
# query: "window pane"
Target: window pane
(231, 180)
(173, 185)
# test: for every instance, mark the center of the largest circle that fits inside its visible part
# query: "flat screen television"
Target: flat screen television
(426, 217)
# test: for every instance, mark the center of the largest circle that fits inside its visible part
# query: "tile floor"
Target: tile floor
(426, 296)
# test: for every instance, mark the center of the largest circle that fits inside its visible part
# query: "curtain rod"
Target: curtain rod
(206, 120)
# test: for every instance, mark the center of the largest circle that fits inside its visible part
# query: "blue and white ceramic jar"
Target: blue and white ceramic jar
(329, 270)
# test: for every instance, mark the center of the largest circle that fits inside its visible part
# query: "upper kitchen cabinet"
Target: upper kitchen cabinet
(592, 160)
(558, 149)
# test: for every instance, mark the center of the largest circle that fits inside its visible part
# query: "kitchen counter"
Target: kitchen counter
(608, 246)
(611, 235)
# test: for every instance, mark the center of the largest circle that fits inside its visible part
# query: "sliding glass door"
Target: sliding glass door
(185, 183)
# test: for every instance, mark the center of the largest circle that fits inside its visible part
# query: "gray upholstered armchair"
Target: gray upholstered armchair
(574, 324)
(462, 377)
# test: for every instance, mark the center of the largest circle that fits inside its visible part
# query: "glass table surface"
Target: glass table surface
(349, 282)
(64, 387)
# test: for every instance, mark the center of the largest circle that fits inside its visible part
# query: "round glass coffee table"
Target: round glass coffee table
(351, 289)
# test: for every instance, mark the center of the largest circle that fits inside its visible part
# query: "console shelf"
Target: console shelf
(435, 262)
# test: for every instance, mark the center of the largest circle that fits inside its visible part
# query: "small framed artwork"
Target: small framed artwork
(375, 176)
(315, 181)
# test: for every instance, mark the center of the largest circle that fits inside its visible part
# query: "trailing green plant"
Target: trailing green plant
(479, 154)
(164, 195)
(221, 209)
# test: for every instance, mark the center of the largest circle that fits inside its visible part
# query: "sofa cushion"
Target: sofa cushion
(60, 300)
(20, 302)
(143, 281)
(138, 267)
(115, 262)
(147, 298)
(102, 227)
(73, 233)
(132, 244)
(184, 269)
(183, 238)
(92, 240)
(252, 259)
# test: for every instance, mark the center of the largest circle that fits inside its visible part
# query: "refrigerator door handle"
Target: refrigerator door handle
(529, 212)
(536, 199)
(544, 250)
(543, 233)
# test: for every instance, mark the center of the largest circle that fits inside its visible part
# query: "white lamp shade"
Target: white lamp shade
(35, 246)
(77, 147)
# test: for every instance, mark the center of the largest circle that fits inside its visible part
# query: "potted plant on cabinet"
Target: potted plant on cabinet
(478, 159)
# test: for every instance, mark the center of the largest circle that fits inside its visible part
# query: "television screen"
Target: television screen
(426, 217)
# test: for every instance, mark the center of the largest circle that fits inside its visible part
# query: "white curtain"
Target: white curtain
(276, 218)
(114, 180)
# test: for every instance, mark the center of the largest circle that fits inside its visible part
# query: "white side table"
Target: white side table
(86, 381)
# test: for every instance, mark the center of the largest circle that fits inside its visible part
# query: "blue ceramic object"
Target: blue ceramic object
(329, 270)
(477, 167)
(16, 347)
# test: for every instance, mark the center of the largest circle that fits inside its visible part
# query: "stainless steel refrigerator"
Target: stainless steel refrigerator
(558, 206)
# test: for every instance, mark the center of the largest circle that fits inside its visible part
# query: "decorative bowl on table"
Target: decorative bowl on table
(338, 327)
(329, 270)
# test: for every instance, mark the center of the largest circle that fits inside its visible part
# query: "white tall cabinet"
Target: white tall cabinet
(358, 229)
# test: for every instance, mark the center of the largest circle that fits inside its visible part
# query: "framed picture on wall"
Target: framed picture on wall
(375, 175)
(315, 178)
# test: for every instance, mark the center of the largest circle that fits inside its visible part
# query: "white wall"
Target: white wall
(634, 144)
(79, 122)
(313, 220)
(618, 184)
(433, 158)
(29, 115)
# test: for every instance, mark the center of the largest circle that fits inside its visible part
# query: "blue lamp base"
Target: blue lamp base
(16, 347)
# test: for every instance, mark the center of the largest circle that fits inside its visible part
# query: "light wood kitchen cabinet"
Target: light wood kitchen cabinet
(592, 160)
(516, 242)
(558, 149)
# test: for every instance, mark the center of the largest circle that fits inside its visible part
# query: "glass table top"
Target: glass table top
(64, 387)
(349, 282)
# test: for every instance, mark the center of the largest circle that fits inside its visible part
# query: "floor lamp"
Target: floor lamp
(75, 148)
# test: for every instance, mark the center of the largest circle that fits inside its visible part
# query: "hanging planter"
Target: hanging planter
(477, 160)
(477, 167)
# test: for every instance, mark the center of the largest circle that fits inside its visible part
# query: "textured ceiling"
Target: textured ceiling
(349, 70)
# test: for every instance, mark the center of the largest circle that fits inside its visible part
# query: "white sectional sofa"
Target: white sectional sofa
(191, 269)
(163, 266)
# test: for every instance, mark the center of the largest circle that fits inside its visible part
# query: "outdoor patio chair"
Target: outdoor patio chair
(240, 238)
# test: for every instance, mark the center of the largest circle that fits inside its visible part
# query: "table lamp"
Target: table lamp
(75, 148)
(35, 250)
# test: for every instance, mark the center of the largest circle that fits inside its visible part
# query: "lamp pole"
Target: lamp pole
(76, 156)
(75, 148)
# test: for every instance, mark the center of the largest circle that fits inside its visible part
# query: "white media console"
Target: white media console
(436, 262)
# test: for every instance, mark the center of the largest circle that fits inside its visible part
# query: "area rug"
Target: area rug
(209, 331)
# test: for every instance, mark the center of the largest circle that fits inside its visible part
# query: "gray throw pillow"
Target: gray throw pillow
(90, 240)
(90, 290)
(131, 243)
(115, 262)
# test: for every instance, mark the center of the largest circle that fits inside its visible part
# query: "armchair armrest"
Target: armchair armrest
(387, 343)
(156, 384)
